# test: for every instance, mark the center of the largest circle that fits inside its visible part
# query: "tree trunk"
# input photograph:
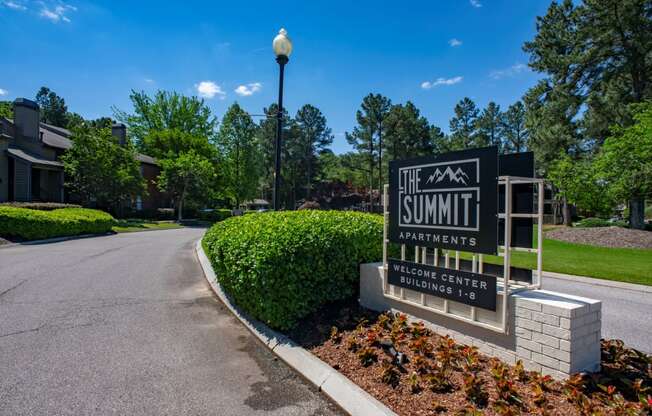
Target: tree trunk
(637, 213)
(566, 213)
(180, 206)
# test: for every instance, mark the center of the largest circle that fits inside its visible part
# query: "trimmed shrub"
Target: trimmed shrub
(29, 224)
(215, 215)
(161, 214)
(599, 222)
(41, 206)
(281, 266)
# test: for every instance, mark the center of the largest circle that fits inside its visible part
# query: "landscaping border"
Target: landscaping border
(345, 393)
(55, 240)
(598, 281)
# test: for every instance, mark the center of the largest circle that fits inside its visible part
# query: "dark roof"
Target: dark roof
(58, 137)
(55, 136)
(24, 102)
(33, 159)
(146, 159)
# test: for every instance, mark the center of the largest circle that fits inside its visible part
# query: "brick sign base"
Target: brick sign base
(553, 333)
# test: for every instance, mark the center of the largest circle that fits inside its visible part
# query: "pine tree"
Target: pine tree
(490, 127)
(463, 125)
(513, 127)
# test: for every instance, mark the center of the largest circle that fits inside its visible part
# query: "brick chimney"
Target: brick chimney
(26, 119)
(119, 131)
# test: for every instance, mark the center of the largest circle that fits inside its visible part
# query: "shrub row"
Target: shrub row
(599, 222)
(281, 266)
(215, 215)
(30, 224)
(41, 206)
(161, 214)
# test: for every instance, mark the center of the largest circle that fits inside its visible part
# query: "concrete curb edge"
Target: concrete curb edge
(346, 394)
(54, 240)
(598, 282)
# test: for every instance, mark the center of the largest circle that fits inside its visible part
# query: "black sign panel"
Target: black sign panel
(517, 164)
(447, 201)
(461, 286)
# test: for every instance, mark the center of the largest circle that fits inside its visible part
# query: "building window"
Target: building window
(139, 203)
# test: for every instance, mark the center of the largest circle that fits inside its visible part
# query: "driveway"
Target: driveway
(127, 325)
(626, 314)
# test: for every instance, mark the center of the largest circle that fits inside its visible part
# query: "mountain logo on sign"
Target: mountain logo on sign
(457, 176)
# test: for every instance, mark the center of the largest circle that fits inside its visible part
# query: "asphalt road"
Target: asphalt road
(127, 325)
(626, 314)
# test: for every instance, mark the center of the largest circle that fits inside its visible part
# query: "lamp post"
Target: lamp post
(282, 46)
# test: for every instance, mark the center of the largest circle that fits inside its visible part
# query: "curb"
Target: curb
(346, 394)
(598, 282)
(54, 240)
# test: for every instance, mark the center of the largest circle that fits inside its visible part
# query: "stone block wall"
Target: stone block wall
(554, 333)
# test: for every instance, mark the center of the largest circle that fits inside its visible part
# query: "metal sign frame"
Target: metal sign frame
(508, 285)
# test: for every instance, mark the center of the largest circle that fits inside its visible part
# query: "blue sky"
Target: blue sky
(432, 52)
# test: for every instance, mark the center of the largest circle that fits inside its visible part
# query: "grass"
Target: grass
(619, 264)
(132, 225)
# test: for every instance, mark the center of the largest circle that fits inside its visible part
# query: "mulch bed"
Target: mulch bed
(612, 237)
(417, 372)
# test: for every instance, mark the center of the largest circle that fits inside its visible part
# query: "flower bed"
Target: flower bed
(417, 372)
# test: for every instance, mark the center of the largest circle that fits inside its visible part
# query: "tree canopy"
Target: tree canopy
(240, 160)
(167, 111)
(100, 171)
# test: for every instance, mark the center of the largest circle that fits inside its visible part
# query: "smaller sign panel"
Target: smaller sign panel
(473, 289)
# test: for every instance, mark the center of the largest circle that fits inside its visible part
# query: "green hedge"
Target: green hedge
(29, 224)
(281, 266)
(599, 222)
(41, 206)
(215, 215)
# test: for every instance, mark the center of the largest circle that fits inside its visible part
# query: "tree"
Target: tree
(6, 109)
(597, 55)
(576, 183)
(187, 176)
(75, 120)
(239, 158)
(625, 163)
(440, 142)
(53, 108)
(463, 125)
(266, 142)
(514, 130)
(100, 170)
(167, 111)
(407, 133)
(314, 136)
(170, 143)
(490, 127)
(367, 136)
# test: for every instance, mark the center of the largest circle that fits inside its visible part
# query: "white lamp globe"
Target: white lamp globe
(282, 44)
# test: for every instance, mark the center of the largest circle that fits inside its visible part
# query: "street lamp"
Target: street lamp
(282, 46)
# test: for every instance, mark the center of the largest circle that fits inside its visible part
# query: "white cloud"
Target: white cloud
(508, 72)
(248, 89)
(209, 89)
(3, 92)
(58, 13)
(475, 3)
(149, 80)
(426, 85)
(14, 5)
(455, 42)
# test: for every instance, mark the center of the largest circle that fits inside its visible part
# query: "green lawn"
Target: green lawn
(131, 225)
(621, 264)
